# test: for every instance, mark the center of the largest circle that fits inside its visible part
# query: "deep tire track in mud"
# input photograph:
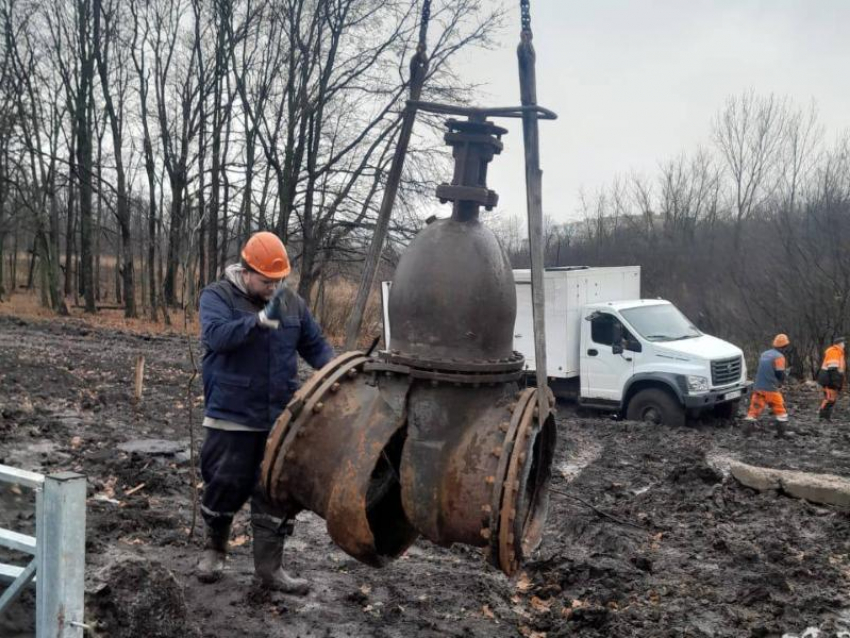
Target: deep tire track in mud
(700, 555)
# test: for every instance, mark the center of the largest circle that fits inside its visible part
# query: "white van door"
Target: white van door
(602, 371)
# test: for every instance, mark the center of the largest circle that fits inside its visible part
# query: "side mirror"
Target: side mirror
(617, 338)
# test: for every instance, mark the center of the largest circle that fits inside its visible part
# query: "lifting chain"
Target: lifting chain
(423, 26)
(419, 62)
(525, 14)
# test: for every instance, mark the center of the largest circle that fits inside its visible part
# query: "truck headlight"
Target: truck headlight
(697, 384)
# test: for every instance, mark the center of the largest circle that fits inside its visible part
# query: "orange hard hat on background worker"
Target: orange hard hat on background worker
(781, 340)
(266, 254)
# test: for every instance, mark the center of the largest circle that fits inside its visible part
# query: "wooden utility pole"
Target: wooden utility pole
(418, 72)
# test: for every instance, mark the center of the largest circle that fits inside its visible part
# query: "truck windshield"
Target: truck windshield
(662, 322)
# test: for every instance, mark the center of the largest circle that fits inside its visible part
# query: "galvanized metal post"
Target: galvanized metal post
(60, 546)
(534, 201)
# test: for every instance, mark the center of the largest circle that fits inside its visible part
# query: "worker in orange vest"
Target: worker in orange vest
(831, 376)
(770, 375)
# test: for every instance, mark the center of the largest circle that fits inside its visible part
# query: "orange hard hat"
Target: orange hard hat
(266, 254)
(781, 340)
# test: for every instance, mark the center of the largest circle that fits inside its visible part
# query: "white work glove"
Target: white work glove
(270, 316)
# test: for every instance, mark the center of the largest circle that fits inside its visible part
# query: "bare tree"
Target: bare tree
(107, 41)
(70, 29)
(39, 131)
(141, 32)
(749, 133)
(178, 99)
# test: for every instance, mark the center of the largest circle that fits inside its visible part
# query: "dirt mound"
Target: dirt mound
(137, 597)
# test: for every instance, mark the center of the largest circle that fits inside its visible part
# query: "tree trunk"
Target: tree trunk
(123, 264)
(13, 260)
(99, 224)
(308, 259)
(174, 235)
(159, 240)
(70, 233)
(215, 186)
(31, 274)
(2, 273)
(3, 233)
(50, 268)
(152, 242)
(245, 216)
(309, 242)
(225, 201)
(119, 259)
(43, 283)
(83, 114)
(204, 222)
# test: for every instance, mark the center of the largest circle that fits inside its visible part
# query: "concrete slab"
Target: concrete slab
(827, 489)
(154, 447)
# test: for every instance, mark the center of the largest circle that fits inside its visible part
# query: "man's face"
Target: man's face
(259, 285)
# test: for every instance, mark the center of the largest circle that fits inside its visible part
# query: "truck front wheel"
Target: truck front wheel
(655, 406)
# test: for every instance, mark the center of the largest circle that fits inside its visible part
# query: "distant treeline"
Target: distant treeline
(749, 237)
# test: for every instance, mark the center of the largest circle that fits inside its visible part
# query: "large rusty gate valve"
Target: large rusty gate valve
(475, 465)
(433, 436)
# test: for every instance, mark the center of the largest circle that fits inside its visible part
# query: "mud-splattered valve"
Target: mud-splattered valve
(433, 436)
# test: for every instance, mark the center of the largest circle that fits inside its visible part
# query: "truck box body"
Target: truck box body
(568, 290)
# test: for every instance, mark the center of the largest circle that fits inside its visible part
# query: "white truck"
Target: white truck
(611, 350)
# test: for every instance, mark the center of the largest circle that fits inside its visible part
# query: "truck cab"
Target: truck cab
(645, 359)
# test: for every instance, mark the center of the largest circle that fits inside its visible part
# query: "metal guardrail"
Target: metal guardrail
(58, 550)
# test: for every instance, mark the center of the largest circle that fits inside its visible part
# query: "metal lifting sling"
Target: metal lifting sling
(534, 199)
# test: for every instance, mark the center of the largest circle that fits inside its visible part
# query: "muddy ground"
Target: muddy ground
(645, 537)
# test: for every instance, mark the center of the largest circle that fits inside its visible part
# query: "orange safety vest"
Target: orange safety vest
(834, 358)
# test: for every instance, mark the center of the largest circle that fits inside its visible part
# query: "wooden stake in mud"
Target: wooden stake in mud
(534, 200)
(139, 378)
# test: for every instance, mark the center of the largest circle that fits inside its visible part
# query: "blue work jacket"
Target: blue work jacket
(251, 372)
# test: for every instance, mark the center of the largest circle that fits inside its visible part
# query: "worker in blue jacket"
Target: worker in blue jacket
(253, 328)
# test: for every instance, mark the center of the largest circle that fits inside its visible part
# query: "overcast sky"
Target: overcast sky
(635, 82)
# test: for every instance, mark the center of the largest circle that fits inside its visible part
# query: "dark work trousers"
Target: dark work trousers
(230, 466)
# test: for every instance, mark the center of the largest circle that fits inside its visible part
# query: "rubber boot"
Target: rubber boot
(211, 565)
(825, 413)
(268, 554)
(748, 427)
(781, 428)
